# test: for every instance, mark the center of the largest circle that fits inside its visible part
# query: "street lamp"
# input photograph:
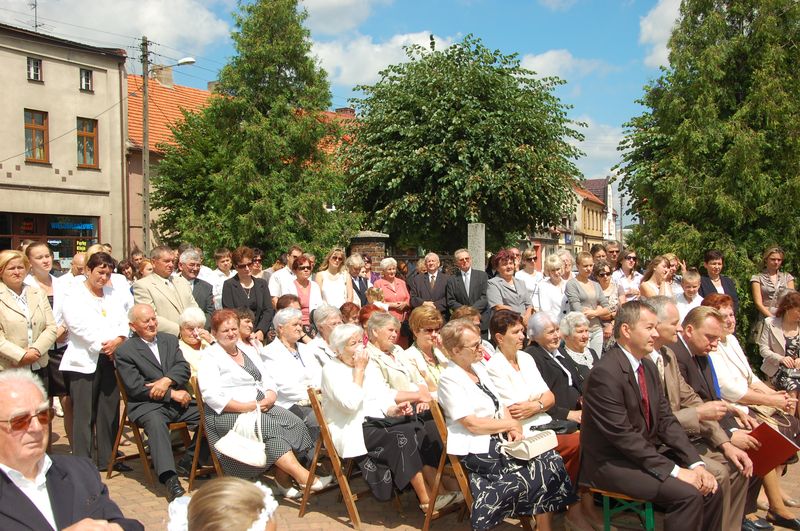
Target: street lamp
(146, 138)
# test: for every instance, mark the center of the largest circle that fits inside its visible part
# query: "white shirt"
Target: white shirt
(218, 278)
(518, 386)
(550, 299)
(36, 490)
(531, 282)
(685, 306)
(733, 371)
(153, 346)
(321, 350)
(221, 379)
(281, 282)
(294, 373)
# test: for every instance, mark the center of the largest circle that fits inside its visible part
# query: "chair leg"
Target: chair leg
(137, 437)
(311, 475)
(525, 521)
(606, 513)
(187, 438)
(346, 492)
(117, 439)
(196, 458)
(434, 492)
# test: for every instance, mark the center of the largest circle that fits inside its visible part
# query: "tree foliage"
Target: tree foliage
(713, 162)
(458, 136)
(250, 168)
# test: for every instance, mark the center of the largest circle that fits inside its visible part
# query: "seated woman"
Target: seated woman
(424, 354)
(373, 423)
(233, 382)
(501, 486)
(779, 344)
(574, 329)
(472, 314)
(193, 337)
(326, 318)
(293, 367)
(247, 332)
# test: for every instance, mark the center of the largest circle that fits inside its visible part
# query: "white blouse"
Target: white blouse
(733, 371)
(551, 299)
(221, 379)
(347, 404)
(293, 375)
(460, 397)
(518, 386)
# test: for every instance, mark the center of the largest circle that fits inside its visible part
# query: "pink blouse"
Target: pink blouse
(395, 292)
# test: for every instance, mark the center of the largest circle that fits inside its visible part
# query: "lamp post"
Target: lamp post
(146, 138)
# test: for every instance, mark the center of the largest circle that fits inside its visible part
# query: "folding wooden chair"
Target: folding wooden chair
(137, 436)
(615, 503)
(199, 436)
(459, 473)
(342, 468)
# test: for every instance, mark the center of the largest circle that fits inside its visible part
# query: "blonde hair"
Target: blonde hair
(8, 255)
(553, 262)
(423, 316)
(224, 504)
(651, 267)
(453, 332)
(326, 262)
(773, 249)
(374, 294)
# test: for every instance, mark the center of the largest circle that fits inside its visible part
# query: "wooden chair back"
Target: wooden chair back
(201, 435)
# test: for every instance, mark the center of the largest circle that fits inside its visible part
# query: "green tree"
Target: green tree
(252, 167)
(458, 136)
(713, 161)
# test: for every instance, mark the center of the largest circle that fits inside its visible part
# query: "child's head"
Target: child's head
(374, 295)
(690, 284)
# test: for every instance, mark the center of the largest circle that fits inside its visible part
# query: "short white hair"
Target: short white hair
(380, 320)
(22, 375)
(325, 312)
(571, 321)
(388, 262)
(341, 335)
(537, 324)
(286, 315)
(192, 315)
(354, 260)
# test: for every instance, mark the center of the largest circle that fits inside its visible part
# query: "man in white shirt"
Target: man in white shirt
(280, 282)
(38, 491)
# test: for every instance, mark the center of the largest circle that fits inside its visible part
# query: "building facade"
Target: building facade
(63, 121)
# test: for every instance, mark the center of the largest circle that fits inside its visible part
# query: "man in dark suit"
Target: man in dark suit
(559, 372)
(468, 288)
(72, 493)
(189, 265)
(430, 287)
(155, 376)
(631, 441)
(354, 265)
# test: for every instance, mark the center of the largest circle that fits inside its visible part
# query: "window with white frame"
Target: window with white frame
(34, 69)
(86, 80)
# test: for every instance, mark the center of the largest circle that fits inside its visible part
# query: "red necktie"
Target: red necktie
(645, 399)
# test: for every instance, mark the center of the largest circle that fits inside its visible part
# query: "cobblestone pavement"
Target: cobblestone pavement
(147, 503)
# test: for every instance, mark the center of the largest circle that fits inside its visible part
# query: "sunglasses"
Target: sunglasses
(603, 275)
(304, 268)
(337, 258)
(257, 260)
(634, 258)
(22, 422)
(244, 266)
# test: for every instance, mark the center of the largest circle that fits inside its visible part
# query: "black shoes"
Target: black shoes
(118, 467)
(174, 488)
(759, 524)
(780, 521)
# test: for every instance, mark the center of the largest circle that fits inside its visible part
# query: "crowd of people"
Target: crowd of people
(636, 370)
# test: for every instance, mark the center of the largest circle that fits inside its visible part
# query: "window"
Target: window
(86, 80)
(87, 143)
(36, 148)
(34, 69)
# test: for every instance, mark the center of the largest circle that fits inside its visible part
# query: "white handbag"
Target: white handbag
(530, 447)
(243, 443)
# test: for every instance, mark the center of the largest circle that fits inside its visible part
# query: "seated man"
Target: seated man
(155, 375)
(630, 440)
(39, 491)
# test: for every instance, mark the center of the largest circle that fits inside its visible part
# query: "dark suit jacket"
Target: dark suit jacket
(76, 492)
(456, 294)
(260, 301)
(360, 287)
(697, 373)
(204, 296)
(137, 366)
(707, 288)
(582, 370)
(567, 396)
(420, 290)
(616, 444)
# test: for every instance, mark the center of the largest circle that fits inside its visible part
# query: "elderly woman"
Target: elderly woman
(373, 423)
(654, 281)
(506, 292)
(247, 332)
(193, 338)
(472, 314)
(98, 324)
(244, 291)
(550, 298)
(626, 275)
(501, 486)
(395, 293)
(233, 382)
(424, 354)
(326, 318)
(586, 296)
(333, 280)
(779, 344)
(574, 329)
(293, 366)
(560, 372)
(715, 281)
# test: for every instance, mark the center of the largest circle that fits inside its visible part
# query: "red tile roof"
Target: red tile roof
(589, 196)
(598, 187)
(164, 110)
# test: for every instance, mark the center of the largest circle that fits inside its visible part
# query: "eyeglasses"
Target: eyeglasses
(244, 266)
(634, 258)
(337, 258)
(257, 260)
(304, 268)
(22, 422)
(531, 259)
(478, 347)
(603, 275)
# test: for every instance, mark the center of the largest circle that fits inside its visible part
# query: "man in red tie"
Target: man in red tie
(631, 442)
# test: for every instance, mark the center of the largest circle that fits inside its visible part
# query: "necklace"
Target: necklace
(247, 291)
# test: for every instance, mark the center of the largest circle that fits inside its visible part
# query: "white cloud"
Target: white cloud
(330, 17)
(358, 60)
(655, 29)
(600, 148)
(187, 25)
(562, 63)
(557, 5)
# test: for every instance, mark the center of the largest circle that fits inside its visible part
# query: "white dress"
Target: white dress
(334, 288)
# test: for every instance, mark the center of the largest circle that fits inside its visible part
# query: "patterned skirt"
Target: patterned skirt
(504, 487)
(281, 432)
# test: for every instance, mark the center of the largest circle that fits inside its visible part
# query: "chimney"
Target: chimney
(163, 74)
(212, 85)
(347, 112)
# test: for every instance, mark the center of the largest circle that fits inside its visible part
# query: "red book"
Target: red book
(775, 449)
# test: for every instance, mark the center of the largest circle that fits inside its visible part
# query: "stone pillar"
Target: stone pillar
(476, 243)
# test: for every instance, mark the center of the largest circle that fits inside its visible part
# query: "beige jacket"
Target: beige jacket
(14, 327)
(772, 345)
(168, 302)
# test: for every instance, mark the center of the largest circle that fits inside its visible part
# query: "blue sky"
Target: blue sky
(606, 50)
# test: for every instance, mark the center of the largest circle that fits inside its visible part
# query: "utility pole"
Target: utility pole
(145, 148)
